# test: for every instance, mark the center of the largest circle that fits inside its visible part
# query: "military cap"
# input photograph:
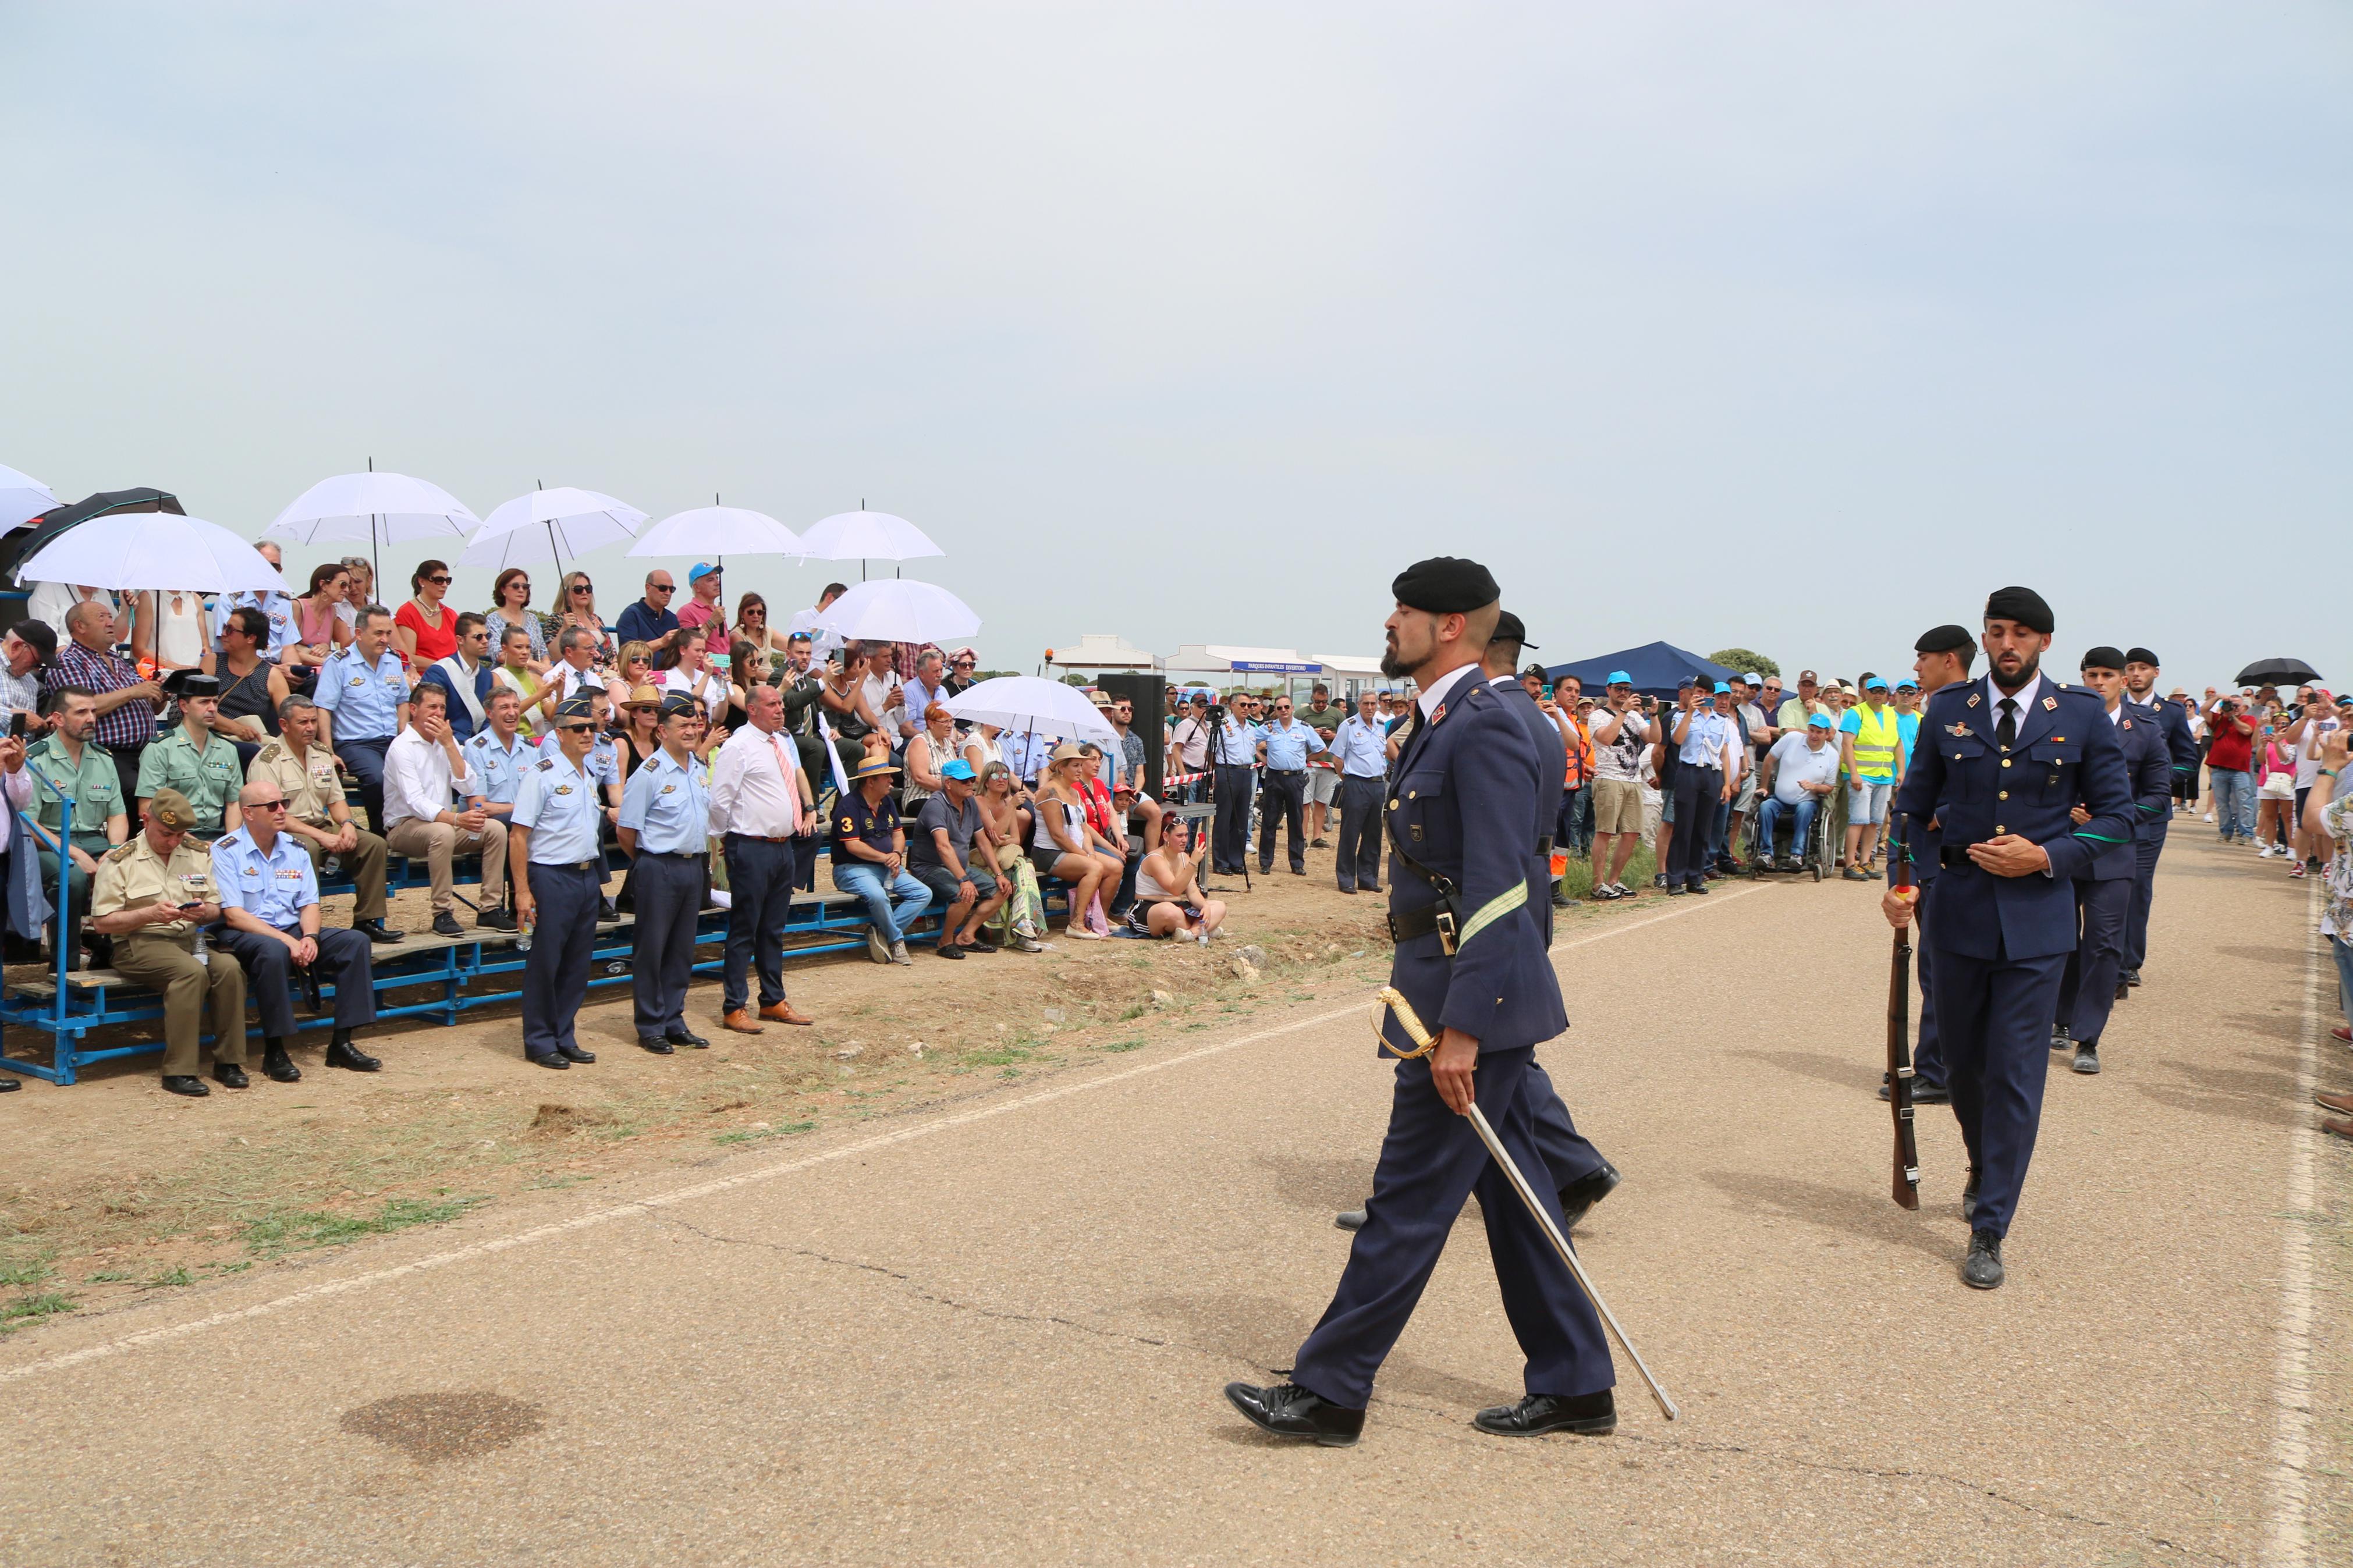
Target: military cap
(2023, 606)
(572, 708)
(1445, 585)
(1510, 628)
(192, 684)
(2141, 655)
(674, 705)
(1946, 638)
(170, 808)
(2104, 657)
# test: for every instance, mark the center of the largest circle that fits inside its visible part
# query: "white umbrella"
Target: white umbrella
(22, 498)
(864, 536)
(383, 509)
(1028, 704)
(717, 530)
(540, 524)
(133, 550)
(898, 610)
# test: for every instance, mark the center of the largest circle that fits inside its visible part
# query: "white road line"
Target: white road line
(2289, 1545)
(746, 1178)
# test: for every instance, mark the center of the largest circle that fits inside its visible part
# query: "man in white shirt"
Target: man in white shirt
(1800, 772)
(760, 805)
(1617, 731)
(823, 639)
(425, 776)
(572, 673)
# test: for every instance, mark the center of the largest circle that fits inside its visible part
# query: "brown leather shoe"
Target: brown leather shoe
(2332, 1124)
(785, 1012)
(2341, 1033)
(741, 1022)
(2335, 1102)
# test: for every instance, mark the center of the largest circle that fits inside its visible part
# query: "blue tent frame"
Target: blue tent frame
(1655, 667)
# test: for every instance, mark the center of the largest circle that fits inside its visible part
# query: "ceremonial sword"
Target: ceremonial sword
(1392, 1001)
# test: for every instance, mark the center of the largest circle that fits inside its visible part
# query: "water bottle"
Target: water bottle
(331, 866)
(204, 948)
(522, 936)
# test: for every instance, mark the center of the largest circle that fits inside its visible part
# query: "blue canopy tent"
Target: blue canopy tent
(1655, 667)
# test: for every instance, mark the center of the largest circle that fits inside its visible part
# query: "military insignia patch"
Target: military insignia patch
(1973, 700)
(1956, 728)
(1438, 713)
(2050, 705)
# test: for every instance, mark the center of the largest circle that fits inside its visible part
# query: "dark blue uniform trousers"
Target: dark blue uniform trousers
(2145, 849)
(669, 898)
(1286, 797)
(343, 963)
(555, 970)
(759, 901)
(1927, 1057)
(365, 759)
(1993, 1023)
(2088, 990)
(1566, 1155)
(1431, 1161)
(1696, 802)
(1230, 840)
(1359, 862)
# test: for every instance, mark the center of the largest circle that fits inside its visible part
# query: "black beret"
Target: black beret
(2141, 655)
(2104, 657)
(1445, 585)
(2023, 606)
(1510, 628)
(1945, 640)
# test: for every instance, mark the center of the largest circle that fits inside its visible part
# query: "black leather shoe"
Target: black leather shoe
(1677, 891)
(2060, 1039)
(659, 1047)
(2122, 991)
(343, 1054)
(230, 1075)
(1981, 1269)
(1578, 1198)
(1349, 1219)
(375, 931)
(495, 920)
(605, 911)
(1969, 1196)
(2087, 1057)
(550, 1061)
(574, 1054)
(1287, 1410)
(446, 924)
(11, 1085)
(1924, 1093)
(180, 1083)
(279, 1066)
(1696, 887)
(1592, 1414)
(687, 1038)
(2129, 977)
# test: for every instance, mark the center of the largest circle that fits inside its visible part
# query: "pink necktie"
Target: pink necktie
(786, 765)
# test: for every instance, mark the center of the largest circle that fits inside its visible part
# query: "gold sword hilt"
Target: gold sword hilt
(1392, 1000)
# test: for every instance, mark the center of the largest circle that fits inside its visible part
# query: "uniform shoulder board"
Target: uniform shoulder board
(270, 751)
(122, 851)
(546, 764)
(1479, 692)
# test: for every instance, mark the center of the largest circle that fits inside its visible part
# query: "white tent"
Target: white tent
(1102, 650)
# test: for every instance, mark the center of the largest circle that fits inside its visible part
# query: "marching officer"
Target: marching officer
(665, 830)
(1941, 658)
(2141, 673)
(150, 895)
(1999, 766)
(2103, 892)
(559, 884)
(269, 909)
(1470, 961)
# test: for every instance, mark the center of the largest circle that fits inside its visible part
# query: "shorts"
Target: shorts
(2283, 790)
(942, 881)
(1617, 806)
(1747, 799)
(1322, 785)
(1866, 801)
(1139, 914)
(1044, 861)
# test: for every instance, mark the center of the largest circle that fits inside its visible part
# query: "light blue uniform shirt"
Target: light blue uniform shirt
(603, 756)
(365, 702)
(276, 605)
(668, 806)
(1236, 746)
(273, 888)
(498, 769)
(558, 803)
(1705, 741)
(1025, 752)
(1362, 748)
(1287, 748)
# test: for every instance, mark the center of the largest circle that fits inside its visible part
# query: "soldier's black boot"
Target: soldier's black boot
(230, 1075)
(1578, 1198)
(277, 1066)
(1287, 1410)
(342, 1053)
(1590, 1415)
(1981, 1270)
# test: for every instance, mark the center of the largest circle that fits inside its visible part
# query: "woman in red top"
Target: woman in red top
(423, 631)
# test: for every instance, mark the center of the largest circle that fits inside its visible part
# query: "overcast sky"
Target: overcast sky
(1797, 327)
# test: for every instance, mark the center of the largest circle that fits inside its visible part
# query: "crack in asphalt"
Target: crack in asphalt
(1447, 1416)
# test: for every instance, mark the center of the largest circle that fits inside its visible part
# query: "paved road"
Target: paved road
(996, 1332)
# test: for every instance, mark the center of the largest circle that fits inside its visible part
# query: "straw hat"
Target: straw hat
(644, 697)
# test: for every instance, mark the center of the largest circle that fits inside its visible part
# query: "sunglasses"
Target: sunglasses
(963, 664)
(268, 806)
(661, 587)
(577, 724)
(442, 581)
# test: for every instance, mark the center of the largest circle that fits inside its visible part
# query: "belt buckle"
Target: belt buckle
(1444, 919)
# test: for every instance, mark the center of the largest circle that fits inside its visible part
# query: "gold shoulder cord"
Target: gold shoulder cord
(1393, 1001)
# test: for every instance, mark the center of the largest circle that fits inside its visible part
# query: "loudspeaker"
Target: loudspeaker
(1149, 693)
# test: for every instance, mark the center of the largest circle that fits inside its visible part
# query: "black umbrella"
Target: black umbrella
(2277, 672)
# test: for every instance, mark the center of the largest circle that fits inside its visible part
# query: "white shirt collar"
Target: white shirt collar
(2024, 695)
(2116, 716)
(1436, 692)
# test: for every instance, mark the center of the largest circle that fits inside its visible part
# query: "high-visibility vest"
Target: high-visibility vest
(1875, 742)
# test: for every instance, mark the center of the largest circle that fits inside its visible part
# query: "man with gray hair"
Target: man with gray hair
(125, 705)
(317, 817)
(571, 675)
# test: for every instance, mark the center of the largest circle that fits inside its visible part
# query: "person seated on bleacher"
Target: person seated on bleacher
(1004, 829)
(515, 674)
(316, 816)
(496, 760)
(362, 697)
(66, 764)
(869, 860)
(1066, 845)
(692, 673)
(425, 778)
(574, 670)
(251, 687)
(1168, 898)
(949, 855)
(150, 895)
(466, 675)
(270, 911)
(202, 765)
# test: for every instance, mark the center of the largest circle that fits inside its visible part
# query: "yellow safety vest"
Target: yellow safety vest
(1875, 744)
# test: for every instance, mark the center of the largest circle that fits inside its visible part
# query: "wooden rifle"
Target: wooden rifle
(1906, 1183)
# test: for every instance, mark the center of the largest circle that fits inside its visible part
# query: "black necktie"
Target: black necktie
(2005, 734)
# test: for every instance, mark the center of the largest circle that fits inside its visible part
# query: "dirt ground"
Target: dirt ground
(115, 1189)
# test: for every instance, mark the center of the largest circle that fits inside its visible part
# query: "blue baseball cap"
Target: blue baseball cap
(1722, 689)
(1618, 678)
(1818, 722)
(1908, 684)
(1753, 678)
(1874, 684)
(698, 571)
(956, 768)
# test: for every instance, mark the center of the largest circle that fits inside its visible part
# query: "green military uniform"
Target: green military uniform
(209, 775)
(164, 955)
(95, 788)
(310, 782)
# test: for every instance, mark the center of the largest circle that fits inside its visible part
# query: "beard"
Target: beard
(1393, 666)
(2026, 672)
